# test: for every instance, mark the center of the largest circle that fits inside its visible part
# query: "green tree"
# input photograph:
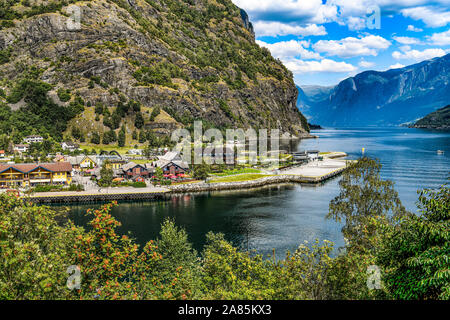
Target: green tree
(106, 175)
(121, 139)
(35, 251)
(201, 171)
(95, 138)
(178, 253)
(4, 142)
(142, 136)
(416, 250)
(233, 274)
(76, 133)
(139, 120)
(306, 273)
(364, 197)
(155, 112)
(159, 175)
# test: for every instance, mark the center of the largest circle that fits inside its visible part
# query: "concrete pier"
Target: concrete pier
(313, 172)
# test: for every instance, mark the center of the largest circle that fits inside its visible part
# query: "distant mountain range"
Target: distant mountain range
(439, 119)
(374, 98)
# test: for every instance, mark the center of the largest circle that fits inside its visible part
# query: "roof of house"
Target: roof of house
(21, 145)
(28, 167)
(181, 164)
(75, 160)
(170, 156)
(129, 165)
(163, 163)
(71, 144)
(59, 157)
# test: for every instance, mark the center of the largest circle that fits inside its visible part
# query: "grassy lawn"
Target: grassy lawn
(236, 171)
(139, 161)
(97, 148)
(244, 177)
(186, 182)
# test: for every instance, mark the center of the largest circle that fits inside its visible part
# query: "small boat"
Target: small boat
(440, 152)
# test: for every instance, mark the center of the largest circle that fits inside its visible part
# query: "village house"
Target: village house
(59, 158)
(21, 148)
(30, 174)
(172, 164)
(33, 139)
(69, 146)
(115, 164)
(313, 154)
(300, 157)
(136, 152)
(82, 162)
(112, 161)
(2, 154)
(136, 172)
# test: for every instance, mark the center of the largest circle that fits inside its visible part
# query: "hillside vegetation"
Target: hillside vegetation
(135, 66)
(439, 119)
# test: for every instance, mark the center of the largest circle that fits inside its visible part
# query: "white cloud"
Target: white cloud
(441, 39)
(299, 11)
(413, 29)
(345, 12)
(352, 47)
(298, 66)
(407, 40)
(397, 66)
(292, 48)
(272, 28)
(366, 64)
(405, 48)
(432, 16)
(355, 23)
(417, 55)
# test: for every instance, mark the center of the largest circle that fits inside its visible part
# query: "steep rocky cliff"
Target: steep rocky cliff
(392, 97)
(191, 59)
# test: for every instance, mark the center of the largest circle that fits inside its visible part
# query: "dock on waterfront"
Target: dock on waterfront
(100, 195)
(312, 172)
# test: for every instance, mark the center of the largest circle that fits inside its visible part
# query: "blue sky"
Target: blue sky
(325, 41)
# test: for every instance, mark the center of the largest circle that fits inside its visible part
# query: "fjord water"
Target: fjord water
(282, 217)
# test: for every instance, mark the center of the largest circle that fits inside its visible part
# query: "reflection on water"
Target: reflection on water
(284, 216)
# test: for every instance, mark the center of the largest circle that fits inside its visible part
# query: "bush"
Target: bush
(64, 94)
(139, 184)
(76, 187)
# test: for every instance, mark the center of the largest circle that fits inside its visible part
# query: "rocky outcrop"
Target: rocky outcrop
(248, 25)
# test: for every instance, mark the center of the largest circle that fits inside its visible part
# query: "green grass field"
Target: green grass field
(97, 148)
(239, 178)
(236, 171)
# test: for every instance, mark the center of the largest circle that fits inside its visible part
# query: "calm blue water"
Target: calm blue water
(283, 217)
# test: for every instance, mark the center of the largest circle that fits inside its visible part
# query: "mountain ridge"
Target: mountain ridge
(387, 97)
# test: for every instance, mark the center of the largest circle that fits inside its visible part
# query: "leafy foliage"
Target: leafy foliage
(364, 199)
(40, 112)
(416, 252)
